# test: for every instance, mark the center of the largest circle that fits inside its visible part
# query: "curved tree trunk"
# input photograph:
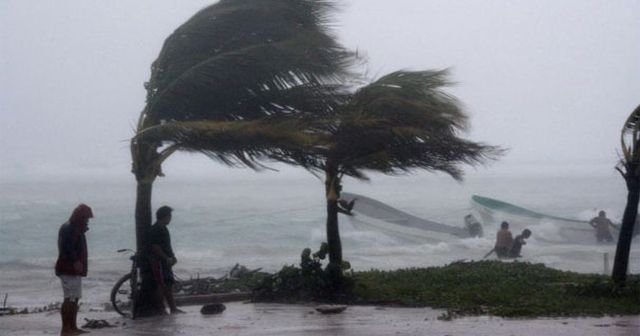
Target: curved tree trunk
(332, 185)
(146, 168)
(143, 213)
(148, 303)
(621, 261)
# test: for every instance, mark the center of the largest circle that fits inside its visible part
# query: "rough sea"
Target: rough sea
(265, 220)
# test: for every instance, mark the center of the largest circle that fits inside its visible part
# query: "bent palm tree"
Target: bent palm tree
(401, 122)
(629, 168)
(227, 84)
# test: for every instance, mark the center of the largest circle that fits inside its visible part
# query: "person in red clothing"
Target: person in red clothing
(71, 265)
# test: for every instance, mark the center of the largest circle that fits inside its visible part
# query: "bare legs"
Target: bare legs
(168, 294)
(69, 315)
(66, 311)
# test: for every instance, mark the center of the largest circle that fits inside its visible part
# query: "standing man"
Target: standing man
(602, 224)
(71, 265)
(504, 240)
(162, 257)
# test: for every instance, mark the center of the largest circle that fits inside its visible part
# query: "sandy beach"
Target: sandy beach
(279, 319)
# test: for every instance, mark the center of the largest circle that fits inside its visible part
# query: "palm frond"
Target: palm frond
(410, 98)
(405, 121)
(246, 59)
(250, 80)
(630, 144)
(234, 143)
(629, 135)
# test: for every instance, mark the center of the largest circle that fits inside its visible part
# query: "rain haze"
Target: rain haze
(553, 81)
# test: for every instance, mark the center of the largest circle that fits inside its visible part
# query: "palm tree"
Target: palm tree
(233, 83)
(629, 168)
(401, 122)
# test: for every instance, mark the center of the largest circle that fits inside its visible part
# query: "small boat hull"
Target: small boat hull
(370, 213)
(546, 228)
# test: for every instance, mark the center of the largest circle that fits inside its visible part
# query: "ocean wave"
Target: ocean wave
(17, 264)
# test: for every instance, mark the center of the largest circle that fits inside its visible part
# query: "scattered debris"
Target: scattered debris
(7, 311)
(238, 279)
(239, 271)
(450, 315)
(212, 308)
(97, 324)
(331, 309)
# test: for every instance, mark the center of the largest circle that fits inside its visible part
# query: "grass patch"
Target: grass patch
(511, 289)
(508, 289)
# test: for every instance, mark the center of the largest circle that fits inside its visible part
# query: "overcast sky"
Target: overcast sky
(551, 80)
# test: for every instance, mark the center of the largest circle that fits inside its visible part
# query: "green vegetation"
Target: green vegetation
(309, 282)
(487, 287)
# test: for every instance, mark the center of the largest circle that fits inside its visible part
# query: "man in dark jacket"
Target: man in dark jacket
(71, 265)
(516, 247)
(162, 257)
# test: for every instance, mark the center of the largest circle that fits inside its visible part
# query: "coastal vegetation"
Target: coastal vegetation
(507, 289)
(496, 288)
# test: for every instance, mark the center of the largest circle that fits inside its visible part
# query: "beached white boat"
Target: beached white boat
(369, 213)
(545, 227)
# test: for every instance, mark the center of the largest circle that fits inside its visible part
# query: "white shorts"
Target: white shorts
(71, 286)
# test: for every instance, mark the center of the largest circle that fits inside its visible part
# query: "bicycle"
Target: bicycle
(123, 298)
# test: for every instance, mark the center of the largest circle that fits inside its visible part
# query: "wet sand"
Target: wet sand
(278, 319)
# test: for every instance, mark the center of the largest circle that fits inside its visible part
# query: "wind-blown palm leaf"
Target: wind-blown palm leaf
(236, 143)
(242, 60)
(402, 121)
(411, 98)
(277, 61)
(629, 137)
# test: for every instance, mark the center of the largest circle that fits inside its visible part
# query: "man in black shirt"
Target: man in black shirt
(162, 256)
(516, 247)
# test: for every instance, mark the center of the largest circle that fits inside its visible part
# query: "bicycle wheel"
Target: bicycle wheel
(121, 296)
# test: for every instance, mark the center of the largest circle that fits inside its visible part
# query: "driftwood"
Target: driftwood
(230, 287)
(211, 285)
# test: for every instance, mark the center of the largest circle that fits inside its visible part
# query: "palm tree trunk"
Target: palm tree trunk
(148, 303)
(332, 185)
(143, 213)
(621, 261)
(146, 167)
